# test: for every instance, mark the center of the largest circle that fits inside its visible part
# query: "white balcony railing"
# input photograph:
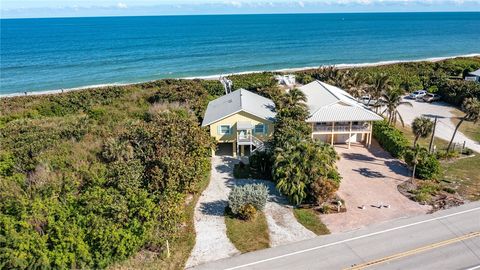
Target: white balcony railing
(355, 128)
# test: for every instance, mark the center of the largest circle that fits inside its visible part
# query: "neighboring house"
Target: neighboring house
(473, 76)
(242, 119)
(336, 117)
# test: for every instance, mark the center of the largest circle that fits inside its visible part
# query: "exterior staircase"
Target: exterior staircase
(259, 144)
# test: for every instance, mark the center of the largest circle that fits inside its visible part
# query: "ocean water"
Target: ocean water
(47, 54)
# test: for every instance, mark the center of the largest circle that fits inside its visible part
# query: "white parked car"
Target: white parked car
(431, 97)
(366, 100)
(417, 94)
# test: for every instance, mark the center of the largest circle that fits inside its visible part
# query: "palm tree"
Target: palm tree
(298, 164)
(293, 105)
(471, 107)
(391, 99)
(421, 127)
(379, 84)
(330, 75)
(356, 85)
(416, 152)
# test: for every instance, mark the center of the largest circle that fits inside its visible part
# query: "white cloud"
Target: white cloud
(122, 5)
(236, 4)
(301, 4)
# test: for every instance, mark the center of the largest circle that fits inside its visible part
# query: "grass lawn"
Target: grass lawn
(248, 235)
(310, 220)
(468, 128)
(180, 249)
(423, 142)
(464, 176)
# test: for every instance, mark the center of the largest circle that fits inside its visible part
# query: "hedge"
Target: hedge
(390, 138)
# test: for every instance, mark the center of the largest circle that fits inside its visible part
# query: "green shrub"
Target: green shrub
(253, 81)
(261, 163)
(77, 193)
(301, 163)
(241, 171)
(7, 163)
(443, 154)
(213, 87)
(304, 78)
(252, 194)
(428, 166)
(390, 138)
(449, 190)
(455, 91)
(426, 190)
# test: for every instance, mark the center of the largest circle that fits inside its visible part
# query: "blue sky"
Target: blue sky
(80, 8)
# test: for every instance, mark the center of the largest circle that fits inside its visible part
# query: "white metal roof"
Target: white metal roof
(236, 101)
(328, 103)
(475, 73)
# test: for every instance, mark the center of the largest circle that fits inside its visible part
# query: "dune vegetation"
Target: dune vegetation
(95, 178)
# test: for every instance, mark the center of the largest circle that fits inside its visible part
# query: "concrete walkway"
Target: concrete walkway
(370, 178)
(445, 126)
(212, 242)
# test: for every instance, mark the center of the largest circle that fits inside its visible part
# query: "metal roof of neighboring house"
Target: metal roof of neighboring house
(475, 73)
(237, 101)
(328, 103)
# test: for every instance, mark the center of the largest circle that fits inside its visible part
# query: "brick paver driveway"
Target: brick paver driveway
(370, 178)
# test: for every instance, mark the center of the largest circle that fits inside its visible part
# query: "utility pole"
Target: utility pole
(433, 135)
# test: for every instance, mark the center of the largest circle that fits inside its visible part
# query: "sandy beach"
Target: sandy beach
(217, 76)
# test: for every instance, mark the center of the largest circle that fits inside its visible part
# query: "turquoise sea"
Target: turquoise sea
(48, 54)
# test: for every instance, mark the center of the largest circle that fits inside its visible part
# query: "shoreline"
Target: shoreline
(217, 76)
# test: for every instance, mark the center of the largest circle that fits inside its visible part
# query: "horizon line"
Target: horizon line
(240, 14)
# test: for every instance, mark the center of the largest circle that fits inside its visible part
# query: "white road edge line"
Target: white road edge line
(352, 239)
(474, 267)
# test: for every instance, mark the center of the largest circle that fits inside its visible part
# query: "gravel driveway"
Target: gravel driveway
(445, 126)
(370, 178)
(212, 242)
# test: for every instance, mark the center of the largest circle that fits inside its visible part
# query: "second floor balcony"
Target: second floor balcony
(341, 127)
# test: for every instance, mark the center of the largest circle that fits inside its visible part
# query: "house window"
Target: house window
(224, 130)
(260, 128)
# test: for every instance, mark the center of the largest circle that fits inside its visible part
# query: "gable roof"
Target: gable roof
(328, 103)
(237, 101)
(475, 73)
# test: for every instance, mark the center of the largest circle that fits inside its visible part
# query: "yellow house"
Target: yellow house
(242, 119)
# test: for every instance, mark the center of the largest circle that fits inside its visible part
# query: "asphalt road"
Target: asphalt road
(448, 239)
